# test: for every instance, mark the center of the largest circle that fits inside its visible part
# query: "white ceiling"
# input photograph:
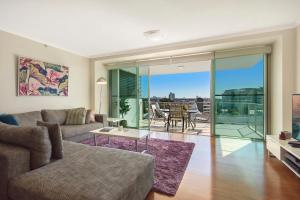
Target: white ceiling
(100, 27)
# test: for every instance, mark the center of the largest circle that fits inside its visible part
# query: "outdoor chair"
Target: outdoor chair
(157, 114)
(177, 113)
(194, 116)
(203, 117)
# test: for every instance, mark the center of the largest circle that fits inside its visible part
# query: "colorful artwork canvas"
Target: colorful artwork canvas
(37, 78)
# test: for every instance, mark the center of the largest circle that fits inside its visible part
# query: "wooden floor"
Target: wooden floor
(222, 168)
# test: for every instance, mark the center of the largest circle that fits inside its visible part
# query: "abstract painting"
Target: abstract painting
(37, 78)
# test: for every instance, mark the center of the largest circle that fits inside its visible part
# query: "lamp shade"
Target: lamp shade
(101, 81)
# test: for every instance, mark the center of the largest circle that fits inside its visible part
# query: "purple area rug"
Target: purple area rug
(171, 159)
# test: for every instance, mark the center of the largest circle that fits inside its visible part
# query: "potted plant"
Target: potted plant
(124, 109)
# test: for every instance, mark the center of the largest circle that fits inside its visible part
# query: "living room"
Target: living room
(70, 72)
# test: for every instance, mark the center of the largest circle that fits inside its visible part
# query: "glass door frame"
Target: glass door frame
(110, 95)
(266, 94)
(212, 97)
(139, 93)
(267, 103)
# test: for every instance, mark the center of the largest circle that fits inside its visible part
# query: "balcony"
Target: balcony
(198, 121)
(240, 119)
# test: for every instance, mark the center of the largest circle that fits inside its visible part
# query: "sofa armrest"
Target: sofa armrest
(102, 118)
(14, 161)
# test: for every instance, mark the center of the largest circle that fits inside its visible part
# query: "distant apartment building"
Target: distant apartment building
(206, 106)
(250, 95)
(199, 101)
(172, 96)
(203, 104)
(243, 101)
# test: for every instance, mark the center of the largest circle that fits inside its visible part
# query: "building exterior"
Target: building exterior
(203, 104)
(206, 106)
(199, 101)
(250, 95)
(242, 101)
(172, 96)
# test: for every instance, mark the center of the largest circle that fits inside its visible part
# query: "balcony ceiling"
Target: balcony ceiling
(102, 27)
(200, 66)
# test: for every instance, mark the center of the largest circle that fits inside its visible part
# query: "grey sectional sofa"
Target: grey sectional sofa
(74, 133)
(84, 173)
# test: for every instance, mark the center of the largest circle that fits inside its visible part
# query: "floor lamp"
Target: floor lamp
(101, 81)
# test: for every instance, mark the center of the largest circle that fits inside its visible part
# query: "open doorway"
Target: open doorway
(185, 85)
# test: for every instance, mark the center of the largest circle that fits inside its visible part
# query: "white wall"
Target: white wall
(99, 71)
(289, 69)
(282, 80)
(275, 88)
(298, 61)
(79, 76)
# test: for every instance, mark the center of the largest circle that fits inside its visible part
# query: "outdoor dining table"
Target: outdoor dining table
(189, 111)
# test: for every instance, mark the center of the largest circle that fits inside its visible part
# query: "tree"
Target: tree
(165, 100)
(124, 107)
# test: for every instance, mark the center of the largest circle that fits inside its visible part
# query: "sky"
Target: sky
(187, 85)
(250, 77)
(190, 85)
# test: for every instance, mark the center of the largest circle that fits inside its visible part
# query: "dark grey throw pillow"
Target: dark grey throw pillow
(35, 139)
(55, 136)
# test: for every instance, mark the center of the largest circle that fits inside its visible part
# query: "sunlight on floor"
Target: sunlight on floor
(228, 145)
(234, 130)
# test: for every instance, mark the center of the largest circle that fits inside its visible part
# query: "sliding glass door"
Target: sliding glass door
(239, 96)
(144, 98)
(129, 96)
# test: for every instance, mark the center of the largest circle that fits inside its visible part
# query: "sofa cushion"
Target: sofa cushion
(54, 116)
(80, 138)
(28, 118)
(90, 116)
(14, 161)
(90, 173)
(8, 119)
(74, 130)
(55, 138)
(72, 147)
(76, 116)
(35, 139)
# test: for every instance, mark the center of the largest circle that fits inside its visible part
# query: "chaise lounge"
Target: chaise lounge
(84, 172)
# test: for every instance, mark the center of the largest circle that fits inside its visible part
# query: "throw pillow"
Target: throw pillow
(35, 139)
(76, 116)
(8, 119)
(90, 117)
(54, 116)
(55, 136)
